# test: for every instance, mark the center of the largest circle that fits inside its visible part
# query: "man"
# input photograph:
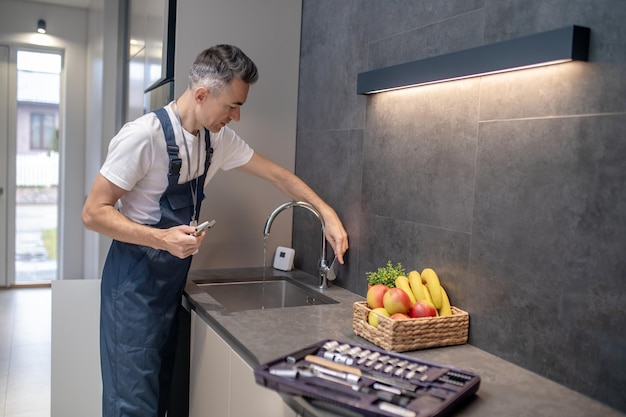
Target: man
(147, 198)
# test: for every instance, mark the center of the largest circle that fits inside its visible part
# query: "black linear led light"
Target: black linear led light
(561, 45)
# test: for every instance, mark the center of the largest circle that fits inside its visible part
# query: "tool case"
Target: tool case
(368, 381)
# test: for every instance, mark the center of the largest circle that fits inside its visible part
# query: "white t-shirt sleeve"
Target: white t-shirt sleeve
(130, 156)
(234, 151)
(229, 151)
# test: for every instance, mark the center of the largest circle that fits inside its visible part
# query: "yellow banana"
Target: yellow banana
(445, 309)
(430, 278)
(402, 282)
(417, 288)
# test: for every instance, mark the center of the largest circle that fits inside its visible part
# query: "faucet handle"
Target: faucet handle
(332, 273)
(327, 273)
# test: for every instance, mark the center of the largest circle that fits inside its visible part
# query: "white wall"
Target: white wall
(104, 108)
(67, 31)
(268, 31)
(95, 106)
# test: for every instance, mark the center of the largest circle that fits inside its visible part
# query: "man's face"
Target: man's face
(216, 111)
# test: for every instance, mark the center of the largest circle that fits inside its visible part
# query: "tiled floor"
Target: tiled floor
(25, 352)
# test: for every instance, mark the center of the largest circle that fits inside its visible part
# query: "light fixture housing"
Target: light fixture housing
(560, 45)
(41, 26)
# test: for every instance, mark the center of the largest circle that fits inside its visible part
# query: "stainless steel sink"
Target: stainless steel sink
(263, 293)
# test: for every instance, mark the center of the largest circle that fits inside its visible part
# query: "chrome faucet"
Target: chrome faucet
(326, 272)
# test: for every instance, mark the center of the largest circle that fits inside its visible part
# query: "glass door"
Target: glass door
(35, 174)
(4, 81)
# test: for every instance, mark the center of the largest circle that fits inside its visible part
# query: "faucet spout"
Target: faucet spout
(323, 267)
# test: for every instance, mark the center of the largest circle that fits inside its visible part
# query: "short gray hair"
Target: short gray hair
(218, 66)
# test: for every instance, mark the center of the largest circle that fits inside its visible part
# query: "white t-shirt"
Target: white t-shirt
(137, 161)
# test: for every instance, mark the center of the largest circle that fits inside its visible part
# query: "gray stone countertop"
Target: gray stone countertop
(260, 336)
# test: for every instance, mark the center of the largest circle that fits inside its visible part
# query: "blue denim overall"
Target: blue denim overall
(140, 293)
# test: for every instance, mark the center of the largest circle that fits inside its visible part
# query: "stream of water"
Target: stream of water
(264, 268)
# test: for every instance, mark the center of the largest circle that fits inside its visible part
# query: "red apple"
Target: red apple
(396, 300)
(375, 295)
(400, 316)
(422, 309)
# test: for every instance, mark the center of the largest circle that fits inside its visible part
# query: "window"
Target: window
(42, 131)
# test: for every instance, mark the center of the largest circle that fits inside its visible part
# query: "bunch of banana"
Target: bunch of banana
(402, 282)
(426, 287)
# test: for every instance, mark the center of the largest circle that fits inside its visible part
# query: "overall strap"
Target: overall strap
(172, 149)
(199, 182)
(209, 150)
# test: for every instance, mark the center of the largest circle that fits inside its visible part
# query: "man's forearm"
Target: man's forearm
(111, 223)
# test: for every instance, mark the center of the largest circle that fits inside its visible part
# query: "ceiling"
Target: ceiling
(73, 3)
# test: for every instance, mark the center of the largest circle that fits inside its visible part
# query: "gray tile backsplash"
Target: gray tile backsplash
(512, 186)
(441, 37)
(554, 197)
(420, 167)
(333, 51)
(336, 176)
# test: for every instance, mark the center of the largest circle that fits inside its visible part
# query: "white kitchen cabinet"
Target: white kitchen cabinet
(209, 371)
(253, 399)
(222, 383)
(76, 387)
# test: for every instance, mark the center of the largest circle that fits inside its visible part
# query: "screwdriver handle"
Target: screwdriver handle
(332, 365)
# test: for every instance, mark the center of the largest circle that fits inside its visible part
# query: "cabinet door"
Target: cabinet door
(222, 384)
(250, 399)
(209, 373)
(76, 388)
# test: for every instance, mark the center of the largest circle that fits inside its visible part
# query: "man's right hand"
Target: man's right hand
(180, 241)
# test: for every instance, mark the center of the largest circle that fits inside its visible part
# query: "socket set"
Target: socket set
(368, 380)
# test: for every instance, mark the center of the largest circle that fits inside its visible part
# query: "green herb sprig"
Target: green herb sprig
(386, 275)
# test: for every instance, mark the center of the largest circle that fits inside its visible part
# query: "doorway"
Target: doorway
(32, 159)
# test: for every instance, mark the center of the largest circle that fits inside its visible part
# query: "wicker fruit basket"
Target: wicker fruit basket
(411, 334)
